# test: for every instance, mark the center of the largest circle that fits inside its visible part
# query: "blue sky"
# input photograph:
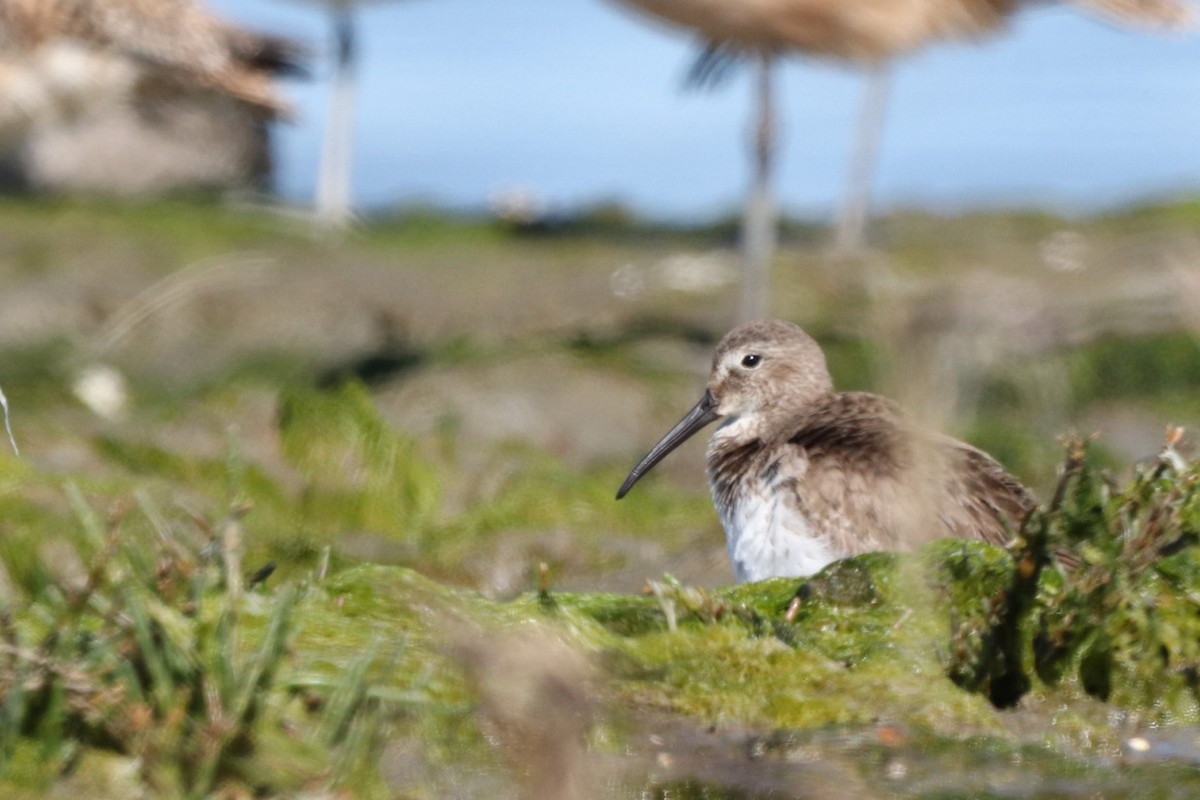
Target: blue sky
(578, 101)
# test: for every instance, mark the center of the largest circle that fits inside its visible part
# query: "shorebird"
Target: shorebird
(869, 33)
(802, 476)
(180, 37)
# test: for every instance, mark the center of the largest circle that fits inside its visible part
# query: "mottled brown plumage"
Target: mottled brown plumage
(802, 475)
(874, 30)
(180, 36)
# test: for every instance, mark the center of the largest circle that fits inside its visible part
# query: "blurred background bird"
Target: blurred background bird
(80, 79)
(866, 32)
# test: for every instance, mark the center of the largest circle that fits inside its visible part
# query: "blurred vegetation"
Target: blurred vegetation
(138, 660)
(273, 429)
(133, 665)
(1120, 616)
(1165, 367)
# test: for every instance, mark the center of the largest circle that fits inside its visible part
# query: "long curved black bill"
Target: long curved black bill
(701, 414)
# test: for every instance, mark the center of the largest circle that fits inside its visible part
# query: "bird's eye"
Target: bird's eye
(751, 361)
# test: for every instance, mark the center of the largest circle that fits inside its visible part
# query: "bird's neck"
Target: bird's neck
(737, 430)
(731, 452)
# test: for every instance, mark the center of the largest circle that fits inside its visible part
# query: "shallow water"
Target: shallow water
(892, 761)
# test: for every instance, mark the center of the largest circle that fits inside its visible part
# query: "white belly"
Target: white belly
(769, 538)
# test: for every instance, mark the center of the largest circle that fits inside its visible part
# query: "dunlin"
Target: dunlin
(802, 475)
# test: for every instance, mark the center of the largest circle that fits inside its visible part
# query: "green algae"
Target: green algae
(732, 656)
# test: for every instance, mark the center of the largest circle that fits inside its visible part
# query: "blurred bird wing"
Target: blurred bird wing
(1167, 14)
(983, 500)
(866, 458)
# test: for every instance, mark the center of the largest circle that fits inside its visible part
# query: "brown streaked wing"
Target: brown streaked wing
(857, 429)
(993, 504)
(882, 475)
(853, 486)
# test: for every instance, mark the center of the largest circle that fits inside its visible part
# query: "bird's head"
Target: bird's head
(762, 374)
(766, 368)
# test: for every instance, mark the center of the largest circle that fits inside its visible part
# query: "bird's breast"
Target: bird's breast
(768, 528)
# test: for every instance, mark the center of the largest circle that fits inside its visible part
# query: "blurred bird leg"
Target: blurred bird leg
(759, 228)
(855, 31)
(852, 221)
(337, 156)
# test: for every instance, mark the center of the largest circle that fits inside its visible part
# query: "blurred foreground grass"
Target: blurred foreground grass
(145, 665)
(429, 408)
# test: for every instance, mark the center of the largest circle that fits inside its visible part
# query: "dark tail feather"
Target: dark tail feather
(278, 55)
(713, 67)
